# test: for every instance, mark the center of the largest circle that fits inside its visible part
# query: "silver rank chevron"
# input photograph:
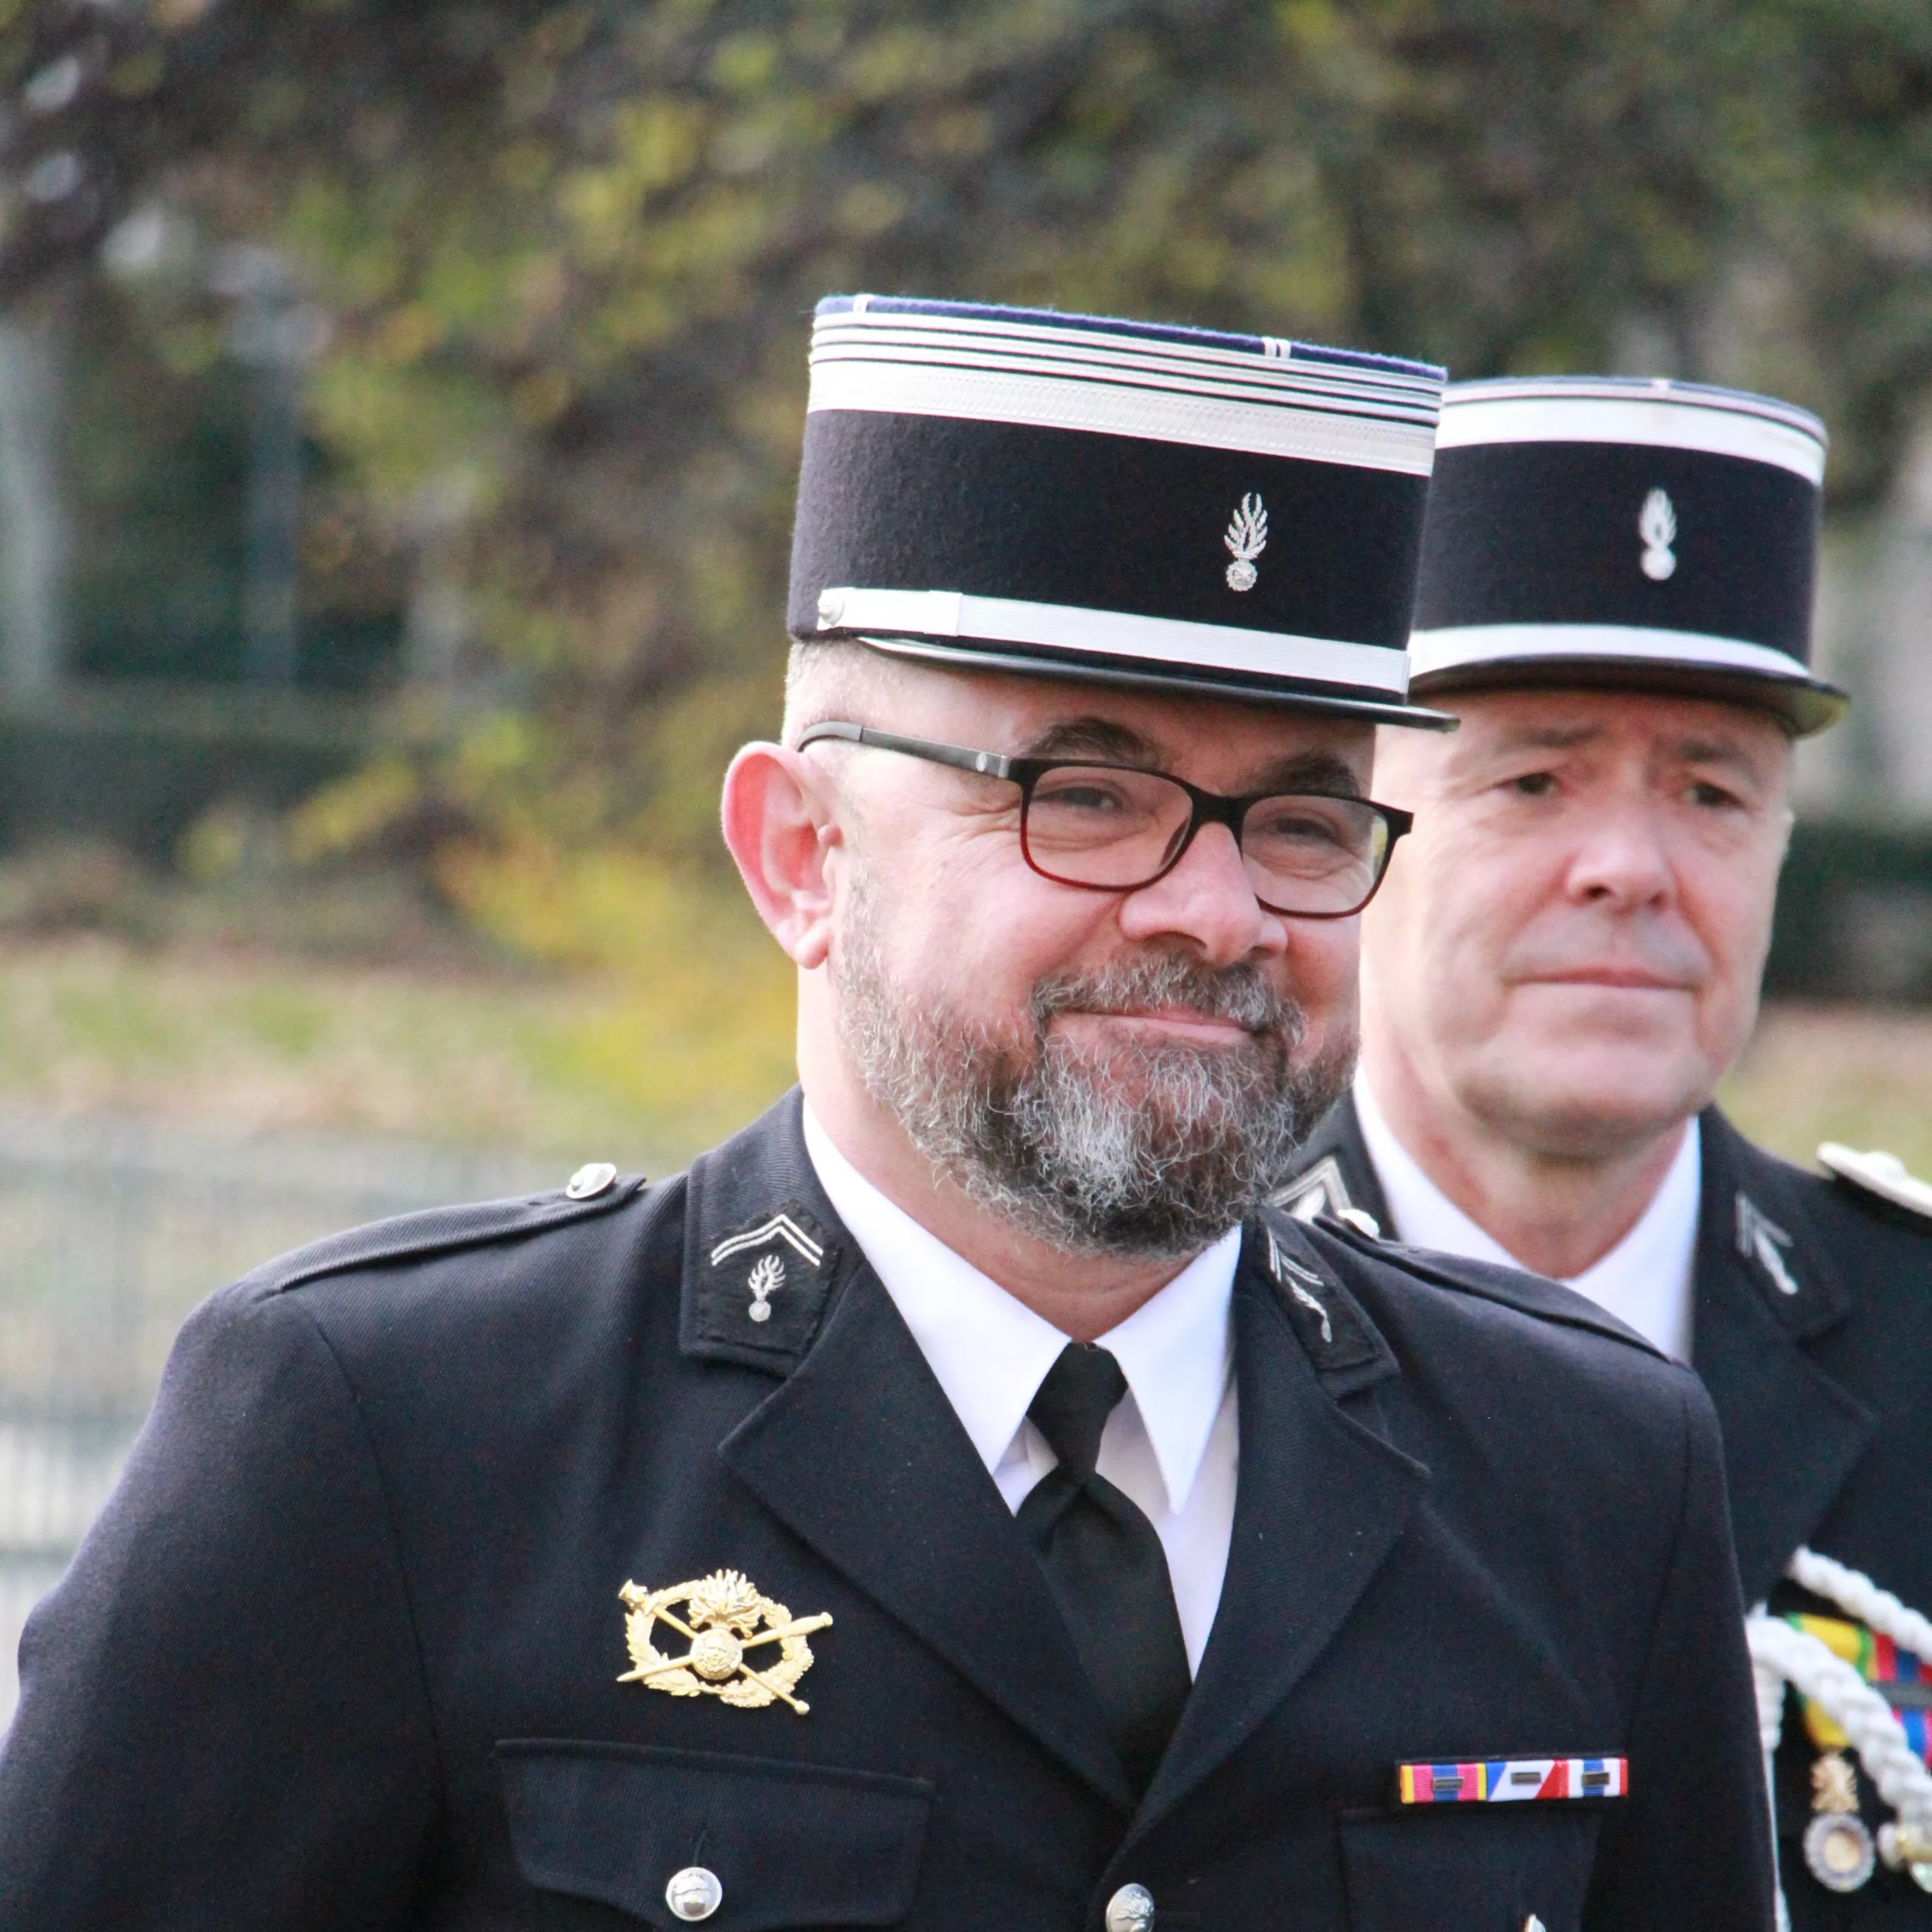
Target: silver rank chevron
(1246, 539)
(1657, 524)
(768, 1271)
(1761, 1240)
(1297, 1280)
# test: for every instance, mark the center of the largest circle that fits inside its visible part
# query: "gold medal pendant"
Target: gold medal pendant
(723, 1614)
(1838, 1846)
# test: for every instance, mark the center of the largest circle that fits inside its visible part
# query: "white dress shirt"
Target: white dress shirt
(1645, 1281)
(1172, 1445)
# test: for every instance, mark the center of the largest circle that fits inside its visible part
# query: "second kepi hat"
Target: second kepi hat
(1027, 490)
(1588, 530)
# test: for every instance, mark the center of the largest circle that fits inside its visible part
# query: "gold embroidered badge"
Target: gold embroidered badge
(720, 1623)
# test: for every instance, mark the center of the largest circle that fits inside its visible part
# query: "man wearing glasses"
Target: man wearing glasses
(1616, 598)
(960, 1500)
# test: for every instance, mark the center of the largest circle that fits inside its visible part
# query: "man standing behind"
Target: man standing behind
(1615, 597)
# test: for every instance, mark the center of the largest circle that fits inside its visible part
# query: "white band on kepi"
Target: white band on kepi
(1180, 412)
(1172, 641)
(1684, 420)
(1459, 647)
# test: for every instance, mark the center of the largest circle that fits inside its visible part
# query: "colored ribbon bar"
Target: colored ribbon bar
(1508, 1780)
(1904, 1681)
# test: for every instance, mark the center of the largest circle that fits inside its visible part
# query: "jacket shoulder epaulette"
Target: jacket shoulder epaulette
(1529, 1294)
(1879, 1177)
(436, 1231)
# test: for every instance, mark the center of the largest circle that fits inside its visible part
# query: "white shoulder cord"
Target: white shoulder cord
(1769, 1682)
(1855, 1593)
(1781, 1654)
(1859, 1710)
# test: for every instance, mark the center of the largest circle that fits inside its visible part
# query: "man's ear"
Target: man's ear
(780, 824)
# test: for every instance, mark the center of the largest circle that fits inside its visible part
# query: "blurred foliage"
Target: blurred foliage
(156, 460)
(705, 1033)
(157, 426)
(562, 260)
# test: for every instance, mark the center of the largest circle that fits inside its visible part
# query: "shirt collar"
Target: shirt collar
(1177, 1353)
(1645, 1280)
(990, 1351)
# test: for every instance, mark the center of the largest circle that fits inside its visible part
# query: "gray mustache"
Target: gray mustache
(1240, 994)
(1585, 941)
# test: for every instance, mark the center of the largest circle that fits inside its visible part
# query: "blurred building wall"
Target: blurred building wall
(1875, 637)
(1855, 909)
(35, 539)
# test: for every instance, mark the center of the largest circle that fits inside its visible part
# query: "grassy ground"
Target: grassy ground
(646, 1066)
(579, 1068)
(1851, 1074)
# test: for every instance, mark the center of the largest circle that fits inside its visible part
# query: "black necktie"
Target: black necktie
(1105, 1563)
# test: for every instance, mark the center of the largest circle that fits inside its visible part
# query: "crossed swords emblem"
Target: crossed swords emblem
(723, 1613)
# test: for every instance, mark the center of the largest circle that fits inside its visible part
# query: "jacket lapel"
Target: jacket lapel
(860, 1453)
(1335, 1173)
(1765, 1286)
(1319, 1505)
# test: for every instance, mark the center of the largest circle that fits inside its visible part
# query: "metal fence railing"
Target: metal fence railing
(110, 1232)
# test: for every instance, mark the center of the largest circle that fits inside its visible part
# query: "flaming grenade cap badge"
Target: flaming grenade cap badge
(1246, 538)
(1657, 525)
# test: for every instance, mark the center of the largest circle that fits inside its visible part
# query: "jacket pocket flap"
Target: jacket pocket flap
(792, 1844)
(1469, 1868)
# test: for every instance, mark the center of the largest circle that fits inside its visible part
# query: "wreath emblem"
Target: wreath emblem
(723, 1614)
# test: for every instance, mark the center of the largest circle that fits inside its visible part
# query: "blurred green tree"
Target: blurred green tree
(567, 255)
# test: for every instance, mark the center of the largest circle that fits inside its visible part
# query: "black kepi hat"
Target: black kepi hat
(1622, 531)
(1021, 490)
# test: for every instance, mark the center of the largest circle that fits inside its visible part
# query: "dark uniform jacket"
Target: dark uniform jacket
(1813, 1332)
(343, 1650)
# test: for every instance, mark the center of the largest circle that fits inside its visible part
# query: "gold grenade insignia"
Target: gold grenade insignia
(721, 1624)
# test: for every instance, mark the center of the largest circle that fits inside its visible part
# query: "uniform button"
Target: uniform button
(693, 1893)
(1130, 1909)
(589, 1182)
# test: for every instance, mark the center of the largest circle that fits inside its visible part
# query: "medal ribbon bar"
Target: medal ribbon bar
(1509, 1780)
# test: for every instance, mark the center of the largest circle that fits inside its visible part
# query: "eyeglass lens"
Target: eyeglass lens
(1094, 826)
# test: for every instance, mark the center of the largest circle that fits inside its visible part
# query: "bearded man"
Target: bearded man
(1616, 598)
(959, 1501)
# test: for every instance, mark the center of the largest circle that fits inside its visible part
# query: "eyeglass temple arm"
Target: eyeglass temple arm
(991, 763)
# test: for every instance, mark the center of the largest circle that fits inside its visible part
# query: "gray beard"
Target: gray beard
(1147, 1151)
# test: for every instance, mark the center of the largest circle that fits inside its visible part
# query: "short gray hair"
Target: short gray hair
(838, 679)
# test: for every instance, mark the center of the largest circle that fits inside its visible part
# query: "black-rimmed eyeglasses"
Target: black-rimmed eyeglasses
(1116, 828)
